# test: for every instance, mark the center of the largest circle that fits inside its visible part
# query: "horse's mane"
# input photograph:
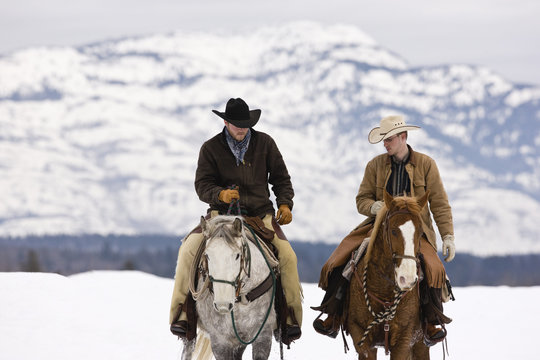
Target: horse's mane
(378, 220)
(399, 203)
(406, 202)
(217, 228)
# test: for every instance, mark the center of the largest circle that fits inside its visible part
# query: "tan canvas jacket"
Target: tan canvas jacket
(424, 175)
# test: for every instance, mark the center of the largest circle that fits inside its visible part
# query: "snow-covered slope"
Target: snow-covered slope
(124, 315)
(104, 138)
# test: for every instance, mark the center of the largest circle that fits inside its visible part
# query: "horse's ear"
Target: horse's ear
(203, 224)
(237, 225)
(423, 200)
(387, 199)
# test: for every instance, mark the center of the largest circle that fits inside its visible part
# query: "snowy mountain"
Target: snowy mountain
(104, 138)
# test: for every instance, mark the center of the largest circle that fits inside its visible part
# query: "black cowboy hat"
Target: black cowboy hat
(237, 113)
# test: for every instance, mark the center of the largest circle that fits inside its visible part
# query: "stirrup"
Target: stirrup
(320, 327)
(429, 341)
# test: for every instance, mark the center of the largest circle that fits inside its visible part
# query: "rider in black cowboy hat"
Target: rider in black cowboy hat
(250, 160)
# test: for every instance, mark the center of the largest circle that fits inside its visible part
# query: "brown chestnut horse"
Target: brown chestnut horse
(384, 301)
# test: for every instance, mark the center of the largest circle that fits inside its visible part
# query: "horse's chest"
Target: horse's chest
(247, 318)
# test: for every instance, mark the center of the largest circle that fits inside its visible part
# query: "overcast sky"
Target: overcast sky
(503, 35)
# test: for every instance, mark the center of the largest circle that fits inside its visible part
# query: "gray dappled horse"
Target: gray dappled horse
(232, 267)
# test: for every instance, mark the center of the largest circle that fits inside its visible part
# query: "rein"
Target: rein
(387, 315)
(272, 273)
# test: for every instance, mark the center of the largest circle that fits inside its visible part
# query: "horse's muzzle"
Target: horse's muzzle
(404, 284)
(223, 307)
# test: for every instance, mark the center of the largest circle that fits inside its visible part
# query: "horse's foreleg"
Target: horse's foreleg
(365, 352)
(187, 352)
(420, 351)
(403, 351)
(400, 353)
(238, 352)
(223, 351)
(262, 346)
(369, 354)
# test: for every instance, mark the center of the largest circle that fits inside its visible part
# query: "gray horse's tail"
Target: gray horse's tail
(199, 348)
(203, 349)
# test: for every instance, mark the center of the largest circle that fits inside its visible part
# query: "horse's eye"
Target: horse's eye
(237, 256)
(394, 232)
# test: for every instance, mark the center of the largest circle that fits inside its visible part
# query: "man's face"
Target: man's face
(237, 133)
(395, 143)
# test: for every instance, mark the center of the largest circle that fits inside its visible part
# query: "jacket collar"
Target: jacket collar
(223, 139)
(412, 157)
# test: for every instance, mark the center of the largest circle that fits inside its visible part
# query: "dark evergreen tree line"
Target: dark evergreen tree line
(157, 254)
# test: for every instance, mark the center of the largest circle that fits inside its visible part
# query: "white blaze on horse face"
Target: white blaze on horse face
(406, 275)
(223, 264)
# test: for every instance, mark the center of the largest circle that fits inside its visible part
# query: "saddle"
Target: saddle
(258, 227)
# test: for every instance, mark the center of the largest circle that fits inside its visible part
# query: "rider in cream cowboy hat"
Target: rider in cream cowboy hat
(398, 171)
(389, 126)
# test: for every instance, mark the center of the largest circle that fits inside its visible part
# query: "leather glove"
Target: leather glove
(284, 215)
(449, 247)
(227, 196)
(377, 205)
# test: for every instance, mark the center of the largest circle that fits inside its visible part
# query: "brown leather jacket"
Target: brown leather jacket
(263, 165)
(424, 175)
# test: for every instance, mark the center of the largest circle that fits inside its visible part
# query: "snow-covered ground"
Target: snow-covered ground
(123, 315)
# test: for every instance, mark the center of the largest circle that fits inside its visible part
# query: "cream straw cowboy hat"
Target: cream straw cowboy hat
(390, 125)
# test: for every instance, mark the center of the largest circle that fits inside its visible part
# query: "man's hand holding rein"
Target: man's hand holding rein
(227, 196)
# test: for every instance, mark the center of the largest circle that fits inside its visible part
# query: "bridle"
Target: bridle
(386, 226)
(237, 283)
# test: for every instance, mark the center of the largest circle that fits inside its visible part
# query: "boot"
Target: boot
(179, 325)
(328, 327)
(293, 332)
(179, 328)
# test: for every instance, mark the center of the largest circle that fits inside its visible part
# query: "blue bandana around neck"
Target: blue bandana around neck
(238, 148)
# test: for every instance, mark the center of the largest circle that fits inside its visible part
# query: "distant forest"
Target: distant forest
(156, 254)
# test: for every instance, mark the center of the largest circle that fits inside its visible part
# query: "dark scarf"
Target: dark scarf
(238, 148)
